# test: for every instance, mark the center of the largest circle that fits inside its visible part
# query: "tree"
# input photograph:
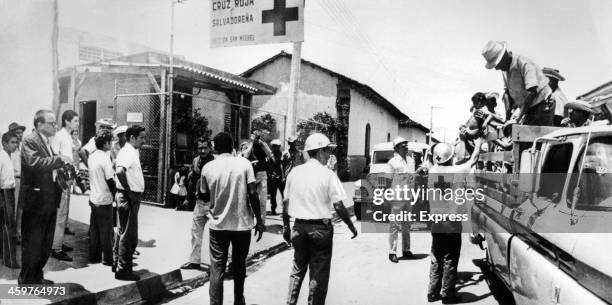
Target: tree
(321, 122)
(194, 124)
(267, 124)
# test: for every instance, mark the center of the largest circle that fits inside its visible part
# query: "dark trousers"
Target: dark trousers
(276, 184)
(128, 204)
(8, 227)
(219, 245)
(37, 231)
(313, 250)
(445, 250)
(101, 233)
(542, 114)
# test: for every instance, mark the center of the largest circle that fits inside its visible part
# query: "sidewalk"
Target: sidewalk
(164, 245)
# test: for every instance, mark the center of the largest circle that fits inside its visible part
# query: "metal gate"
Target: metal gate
(139, 100)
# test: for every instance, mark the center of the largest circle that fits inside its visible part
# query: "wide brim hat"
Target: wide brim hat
(554, 73)
(580, 105)
(493, 52)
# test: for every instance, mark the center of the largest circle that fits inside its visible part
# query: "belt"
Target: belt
(322, 221)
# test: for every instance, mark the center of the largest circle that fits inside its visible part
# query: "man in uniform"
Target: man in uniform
(310, 192)
(401, 164)
(446, 235)
(579, 114)
(526, 86)
(554, 77)
(201, 209)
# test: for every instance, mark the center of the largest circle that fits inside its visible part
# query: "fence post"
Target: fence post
(161, 176)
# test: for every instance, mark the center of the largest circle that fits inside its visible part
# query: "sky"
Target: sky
(417, 54)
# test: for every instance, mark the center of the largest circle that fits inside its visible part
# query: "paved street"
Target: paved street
(360, 274)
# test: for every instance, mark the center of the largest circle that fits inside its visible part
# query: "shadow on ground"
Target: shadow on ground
(498, 289)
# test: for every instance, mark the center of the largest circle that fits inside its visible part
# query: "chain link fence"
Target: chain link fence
(138, 101)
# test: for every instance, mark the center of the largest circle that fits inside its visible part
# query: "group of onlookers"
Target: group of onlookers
(37, 173)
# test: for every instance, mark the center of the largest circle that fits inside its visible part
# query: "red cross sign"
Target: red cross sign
(246, 22)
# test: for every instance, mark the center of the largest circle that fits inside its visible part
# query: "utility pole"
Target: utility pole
(431, 123)
(294, 89)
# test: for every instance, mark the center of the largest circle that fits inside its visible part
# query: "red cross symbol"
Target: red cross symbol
(279, 16)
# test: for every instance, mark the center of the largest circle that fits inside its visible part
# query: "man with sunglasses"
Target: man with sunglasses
(41, 197)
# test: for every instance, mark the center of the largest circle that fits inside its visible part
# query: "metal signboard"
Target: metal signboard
(248, 22)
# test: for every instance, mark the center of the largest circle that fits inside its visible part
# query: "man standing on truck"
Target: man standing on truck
(526, 85)
(554, 77)
(446, 235)
(400, 164)
(579, 114)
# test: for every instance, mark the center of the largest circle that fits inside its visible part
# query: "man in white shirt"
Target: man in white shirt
(16, 158)
(400, 165)
(62, 145)
(130, 188)
(8, 226)
(102, 185)
(225, 183)
(310, 192)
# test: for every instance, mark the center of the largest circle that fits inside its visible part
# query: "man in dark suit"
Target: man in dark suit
(40, 195)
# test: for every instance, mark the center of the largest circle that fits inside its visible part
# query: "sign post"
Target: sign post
(248, 22)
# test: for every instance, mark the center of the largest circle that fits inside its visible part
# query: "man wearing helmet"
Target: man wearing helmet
(310, 191)
(446, 235)
(399, 165)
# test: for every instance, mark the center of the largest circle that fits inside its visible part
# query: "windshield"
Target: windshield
(595, 187)
(382, 156)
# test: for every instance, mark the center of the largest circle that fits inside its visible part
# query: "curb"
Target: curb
(157, 286)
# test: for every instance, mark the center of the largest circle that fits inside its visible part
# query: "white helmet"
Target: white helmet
(316, 141)
(442, 152)
(276, 142)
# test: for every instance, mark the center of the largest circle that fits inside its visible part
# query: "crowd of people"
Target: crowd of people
(532, 96)
(38, 172)
(228, 189)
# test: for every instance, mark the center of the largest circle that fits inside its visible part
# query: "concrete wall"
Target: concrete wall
(317, 91)
(363, 112)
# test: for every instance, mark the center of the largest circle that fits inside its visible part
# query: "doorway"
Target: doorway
(88, 120)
